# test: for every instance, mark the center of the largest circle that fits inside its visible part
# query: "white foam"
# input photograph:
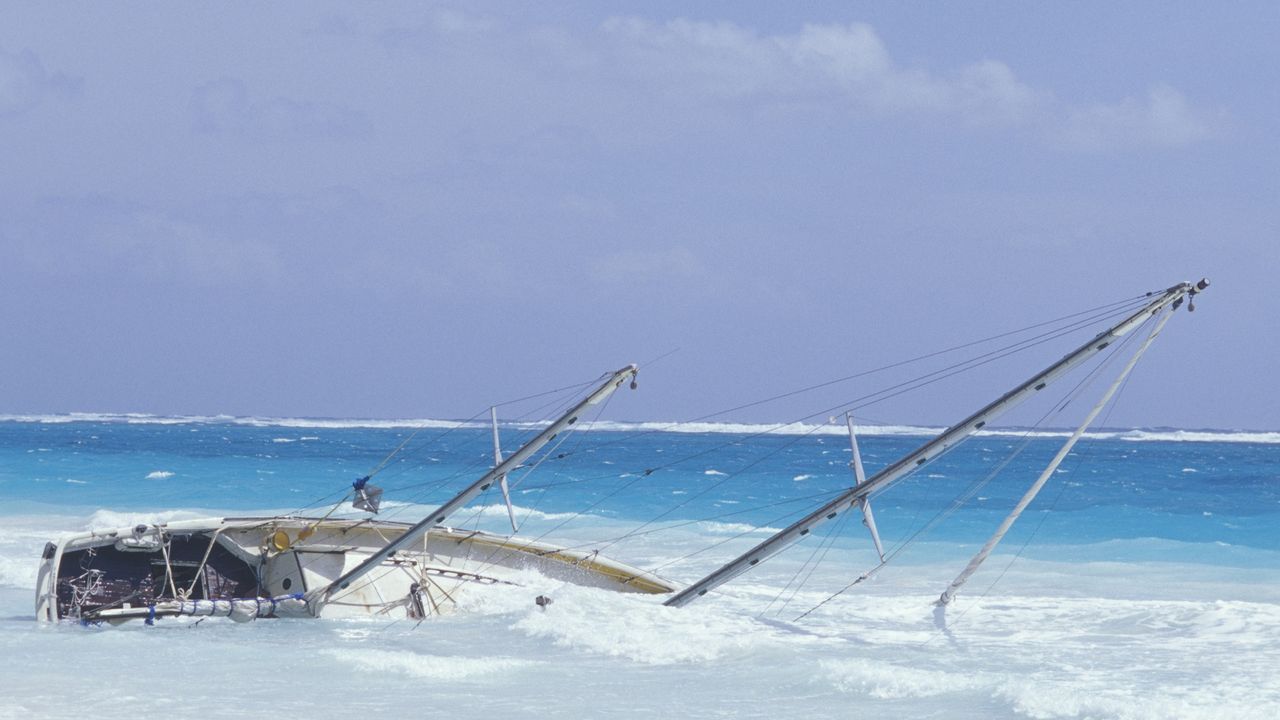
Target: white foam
(111, 519)
(794, 428)
(1129, 641)
(817, 429)
(521, 512)
(1265, 438)
(881, 680)
(439, 668)
(159, 475)
(729, 528)
(249, 421)
(640, 630)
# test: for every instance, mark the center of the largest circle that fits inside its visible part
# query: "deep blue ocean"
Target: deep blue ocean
(1158, 544)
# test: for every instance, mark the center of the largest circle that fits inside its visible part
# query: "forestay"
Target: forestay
(1172, 298)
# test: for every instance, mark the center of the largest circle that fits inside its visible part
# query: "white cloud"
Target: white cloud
(639, 80)
(160, 248)
(639, 265)
(1162, 118)
(225, 106)
(845, 63)
(988, 91)
(850, 65)
(440, 23)
(95, 236)
(24, 82)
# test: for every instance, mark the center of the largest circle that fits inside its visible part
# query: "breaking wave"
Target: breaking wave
(833, 429)
(440, 668)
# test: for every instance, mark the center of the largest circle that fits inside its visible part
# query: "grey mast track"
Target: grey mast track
(317, 598)
(1172, 297)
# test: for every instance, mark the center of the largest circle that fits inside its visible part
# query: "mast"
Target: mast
(1034, 490)
(321, 595)
(1172, 297)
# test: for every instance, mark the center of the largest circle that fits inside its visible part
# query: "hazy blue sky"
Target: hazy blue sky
(409, 210)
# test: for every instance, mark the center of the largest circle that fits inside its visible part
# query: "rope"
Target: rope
(168, 568)
(1078, 320)
(1054, 411)
(825, 546)
(1080, 460)
(212, 539)
(885, 394)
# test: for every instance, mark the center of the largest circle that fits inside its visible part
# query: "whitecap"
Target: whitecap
(637, 629)
(432, 667)
(886, 681)
(795, 428)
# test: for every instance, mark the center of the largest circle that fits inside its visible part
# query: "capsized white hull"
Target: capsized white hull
(252, 567)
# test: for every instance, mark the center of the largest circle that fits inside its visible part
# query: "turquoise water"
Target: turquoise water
(1144, 582)
(1223, 492)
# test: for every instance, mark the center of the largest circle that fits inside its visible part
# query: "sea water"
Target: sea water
(1144, 582)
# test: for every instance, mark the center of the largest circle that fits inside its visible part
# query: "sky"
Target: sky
(417, 209)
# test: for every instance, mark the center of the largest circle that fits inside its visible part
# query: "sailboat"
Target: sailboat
(285, 566)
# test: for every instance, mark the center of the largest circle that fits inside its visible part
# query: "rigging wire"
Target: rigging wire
(950, 371)
(936, 376)
(1101, 312)
(488, 560)
(866, 400)
(562, 391)
(899, 389)
(1080, 460)
(1133, 301)
(744, 533)
(700, 493)
(476, 462)
(1073, 394)
(825, 546)
(538, 500)
(432, 486)
(906, 386)
(827, 494)
(1111, 309)
(1026, 439)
